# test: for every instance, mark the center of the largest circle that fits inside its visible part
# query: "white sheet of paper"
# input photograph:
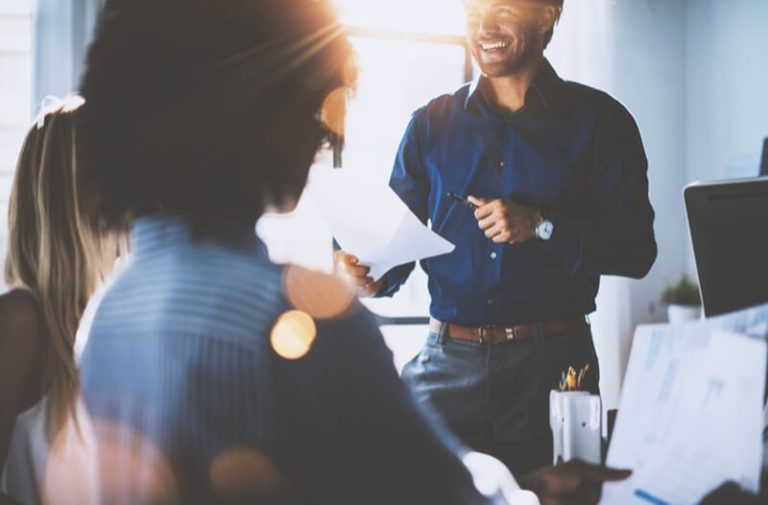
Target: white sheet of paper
(369, 220)
(690, 414)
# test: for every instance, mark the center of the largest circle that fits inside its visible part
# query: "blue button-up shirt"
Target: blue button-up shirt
(573, 152)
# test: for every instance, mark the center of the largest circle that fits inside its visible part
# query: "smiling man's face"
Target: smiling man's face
(504, 35)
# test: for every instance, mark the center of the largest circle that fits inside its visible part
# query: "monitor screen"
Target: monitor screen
(764, 162)
(729, 228)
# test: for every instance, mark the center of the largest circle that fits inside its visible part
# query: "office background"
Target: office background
(693, 72)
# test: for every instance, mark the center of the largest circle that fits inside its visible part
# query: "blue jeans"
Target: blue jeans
(496, 398)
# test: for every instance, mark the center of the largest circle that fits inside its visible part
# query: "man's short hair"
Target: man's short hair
(206, 109)
(559, 5)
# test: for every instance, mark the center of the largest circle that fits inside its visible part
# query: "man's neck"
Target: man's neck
(508, 92)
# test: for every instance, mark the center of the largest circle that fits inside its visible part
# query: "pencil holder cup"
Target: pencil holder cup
(575, 418)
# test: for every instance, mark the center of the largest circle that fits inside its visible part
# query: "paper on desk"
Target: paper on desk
(690, 415)
(370, 221)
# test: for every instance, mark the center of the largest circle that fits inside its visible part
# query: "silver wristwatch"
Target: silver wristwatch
(544, 228)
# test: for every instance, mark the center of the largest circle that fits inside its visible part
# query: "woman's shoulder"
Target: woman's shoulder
(22, 324)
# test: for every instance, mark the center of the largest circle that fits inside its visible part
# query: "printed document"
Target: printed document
(369, 220)
(691, 410)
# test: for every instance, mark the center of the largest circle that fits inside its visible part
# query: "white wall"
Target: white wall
(16, 29)
(695, 75)
(63, 30)
(727, 84)
(635, 50)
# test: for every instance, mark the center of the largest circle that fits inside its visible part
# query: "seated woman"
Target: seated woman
(53, 265)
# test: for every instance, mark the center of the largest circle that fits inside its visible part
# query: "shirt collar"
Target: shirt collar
(151, 234)
(544, 85)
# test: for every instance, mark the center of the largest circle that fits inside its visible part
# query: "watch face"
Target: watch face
(544, 230)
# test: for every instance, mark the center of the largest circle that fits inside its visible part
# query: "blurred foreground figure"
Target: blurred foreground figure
(55, 261)
(212, 374)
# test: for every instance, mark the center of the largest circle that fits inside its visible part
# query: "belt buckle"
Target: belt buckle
(483, 332)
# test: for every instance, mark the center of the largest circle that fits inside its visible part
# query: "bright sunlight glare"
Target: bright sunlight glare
(444, 17)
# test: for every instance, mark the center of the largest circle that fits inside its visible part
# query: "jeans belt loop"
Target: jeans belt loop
(442, 335)
(481, 334)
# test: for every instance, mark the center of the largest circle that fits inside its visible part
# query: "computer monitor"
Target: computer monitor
(729, 228)
(764, 162)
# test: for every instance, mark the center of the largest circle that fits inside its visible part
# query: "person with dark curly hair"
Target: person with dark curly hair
(213, 375)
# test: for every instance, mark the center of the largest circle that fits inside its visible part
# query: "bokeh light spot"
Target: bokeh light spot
(245, 473)
(334, 110)
(320, 295)
(293, 334)
(132, 468)
(71, 472)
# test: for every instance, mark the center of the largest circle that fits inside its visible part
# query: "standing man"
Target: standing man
(555, 175)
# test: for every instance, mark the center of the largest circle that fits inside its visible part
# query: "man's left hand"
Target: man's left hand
(505, 221)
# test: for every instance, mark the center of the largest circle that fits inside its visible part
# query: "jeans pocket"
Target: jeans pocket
(418, 366)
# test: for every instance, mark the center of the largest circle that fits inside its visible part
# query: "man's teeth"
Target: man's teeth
(489, 46)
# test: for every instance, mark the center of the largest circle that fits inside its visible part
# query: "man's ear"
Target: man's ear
(547, 19)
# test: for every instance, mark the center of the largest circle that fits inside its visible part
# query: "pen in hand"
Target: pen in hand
(461, 199)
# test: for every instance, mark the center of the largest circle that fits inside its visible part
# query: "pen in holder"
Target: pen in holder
(575, 418)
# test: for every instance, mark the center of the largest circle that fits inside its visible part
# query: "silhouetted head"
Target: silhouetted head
(211, 110)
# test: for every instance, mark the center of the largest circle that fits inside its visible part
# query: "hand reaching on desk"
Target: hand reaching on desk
(349, 267)
(571, 483)
(731, 494)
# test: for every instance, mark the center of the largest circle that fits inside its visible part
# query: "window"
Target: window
(434, 17)
(408, 53)
(16, 28)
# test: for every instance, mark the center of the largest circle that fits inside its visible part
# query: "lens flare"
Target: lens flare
(293, 335)
(245, 473)
(334, 109)
(132, 469)
(320, 295)
(71, 472)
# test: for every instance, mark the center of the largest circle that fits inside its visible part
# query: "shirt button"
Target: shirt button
(493, 255)
(490, 301)
(501, 164)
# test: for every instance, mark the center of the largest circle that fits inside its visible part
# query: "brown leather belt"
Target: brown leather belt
(491, 335)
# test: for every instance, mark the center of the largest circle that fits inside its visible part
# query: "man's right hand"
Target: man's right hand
(574, 482)
(349, 267)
